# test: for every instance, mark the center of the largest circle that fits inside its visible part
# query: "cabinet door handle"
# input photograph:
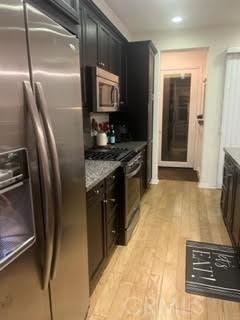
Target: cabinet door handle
(96, 191)
(113, 177)
(114, 231)
(113, 200)
(105, 201)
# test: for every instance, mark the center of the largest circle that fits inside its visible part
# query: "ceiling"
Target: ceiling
(155, 15)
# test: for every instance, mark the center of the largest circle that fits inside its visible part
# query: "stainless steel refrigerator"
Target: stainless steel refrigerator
(40, 109)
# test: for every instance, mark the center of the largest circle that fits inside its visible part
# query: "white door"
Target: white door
(178, 117)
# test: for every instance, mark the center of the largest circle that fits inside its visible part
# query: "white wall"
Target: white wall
(104, 7)
(217, 39)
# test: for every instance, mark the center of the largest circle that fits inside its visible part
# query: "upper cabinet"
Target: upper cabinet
(140, 88)
(115, 61)
(103, 48)
(69, 7)
(91, 40)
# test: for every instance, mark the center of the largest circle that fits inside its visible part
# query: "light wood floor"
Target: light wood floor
(145, 280)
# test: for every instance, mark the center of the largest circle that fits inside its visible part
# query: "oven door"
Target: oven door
(133, 191)
(107, 95)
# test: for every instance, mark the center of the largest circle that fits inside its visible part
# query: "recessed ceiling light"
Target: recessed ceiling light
(177, 19)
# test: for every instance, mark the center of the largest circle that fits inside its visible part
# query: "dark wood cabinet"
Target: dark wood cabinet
(91, 41)
(95, 228)
(228, 192)
(140, 94)
(144, 182)
(115, 56)
(68, 7)
(103, 215)
(104, 48)
(230, 199)
(236, 214)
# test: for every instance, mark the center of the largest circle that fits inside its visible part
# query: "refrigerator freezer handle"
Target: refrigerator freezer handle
(42, 104)
(45, 181)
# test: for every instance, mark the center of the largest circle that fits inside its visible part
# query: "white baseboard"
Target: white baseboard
(154, 181)
(202, 185)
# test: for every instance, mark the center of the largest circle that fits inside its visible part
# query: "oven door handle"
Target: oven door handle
(133, 173)
(42, 104)
(45, 181)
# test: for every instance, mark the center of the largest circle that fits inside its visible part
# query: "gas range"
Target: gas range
(110, 154)
(132, 164)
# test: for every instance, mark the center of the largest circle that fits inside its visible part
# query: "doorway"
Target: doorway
(183, 77)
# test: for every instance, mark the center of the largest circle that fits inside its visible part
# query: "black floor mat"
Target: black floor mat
(212, 271)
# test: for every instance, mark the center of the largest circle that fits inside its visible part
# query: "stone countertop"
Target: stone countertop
(131, 145)
(234, 154)
(96, 171)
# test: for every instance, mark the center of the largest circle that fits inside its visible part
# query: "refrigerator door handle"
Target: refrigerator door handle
(43, 109)
(45, 180)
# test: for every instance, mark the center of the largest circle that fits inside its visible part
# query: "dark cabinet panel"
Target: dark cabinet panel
(115, 57)
(140, 94)
(68, 7)
(230, 200)
(95, 227)
(144, 173)
(104, 48)
(91, 41)
(236, 216)
(112, 232)
(228, 193)
(103, 214)
(140, 88)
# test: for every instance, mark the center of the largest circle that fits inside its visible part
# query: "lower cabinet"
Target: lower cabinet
(236, 214)
(230, 200)
(95, 228)
(144, 182)
(228, 192)
(103, 214)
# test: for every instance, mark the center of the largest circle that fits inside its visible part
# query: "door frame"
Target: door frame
(194, 99)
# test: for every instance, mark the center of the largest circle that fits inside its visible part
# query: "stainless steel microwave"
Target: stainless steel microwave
(104, 91)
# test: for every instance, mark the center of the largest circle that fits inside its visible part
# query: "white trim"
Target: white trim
(233, 50)
(203, 185)
(155, 118)
(192, 134)
(155, 181)
(174, 164)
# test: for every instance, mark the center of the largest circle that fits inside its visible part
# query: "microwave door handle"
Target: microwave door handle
(45, 181)
(115, 102)
(112, 96)
(42, 104)
(118, 96)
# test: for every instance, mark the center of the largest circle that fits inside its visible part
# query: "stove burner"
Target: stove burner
(114, 154)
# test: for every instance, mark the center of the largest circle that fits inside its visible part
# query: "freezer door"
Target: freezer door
(21, 294)
(54, 55)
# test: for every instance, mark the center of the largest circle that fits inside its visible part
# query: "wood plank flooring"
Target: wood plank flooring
(146, 279)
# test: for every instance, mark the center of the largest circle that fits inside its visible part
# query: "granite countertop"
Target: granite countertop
(234, 154)
(131, 145)
(96, 171)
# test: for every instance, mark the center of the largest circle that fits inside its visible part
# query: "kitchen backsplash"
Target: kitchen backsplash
(87, 119)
